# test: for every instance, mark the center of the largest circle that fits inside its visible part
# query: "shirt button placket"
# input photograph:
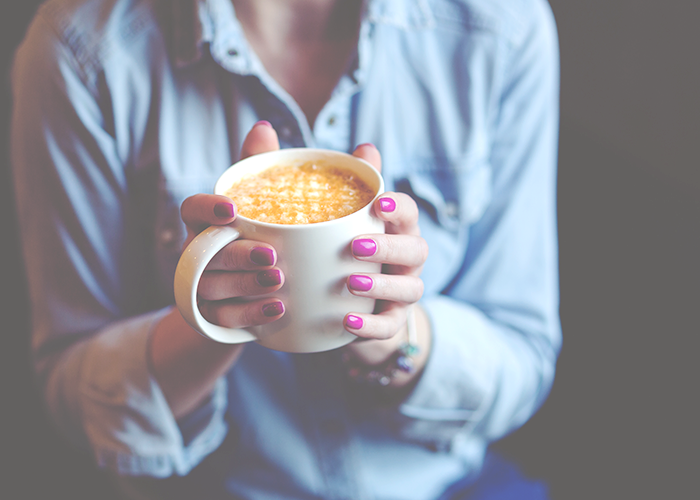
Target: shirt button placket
(331, 434)
(332, 129)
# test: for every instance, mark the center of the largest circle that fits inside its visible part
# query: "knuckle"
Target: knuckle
(409, 208)
(188, 209)
(420, 289)
(230, 256)
(213, 312)
(393, 249)
(249, 315)
(204, 310)
(217, 315)
(206, 289)
(246, 287)
(392, 328)
(423, 250)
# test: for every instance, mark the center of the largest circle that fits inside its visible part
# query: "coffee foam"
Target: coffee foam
(303, 194)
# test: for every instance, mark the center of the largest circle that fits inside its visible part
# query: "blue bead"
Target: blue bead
(405, 364)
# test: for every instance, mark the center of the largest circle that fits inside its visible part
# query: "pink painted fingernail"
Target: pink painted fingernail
(270, 277)
(360, 283)
(387, 205)
(273, 309)
(364, 248)
(262, 256)
(263, 122)
(354, 322)
(367, 144)
(224, 210)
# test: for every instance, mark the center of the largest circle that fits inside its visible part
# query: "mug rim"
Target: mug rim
(303, 152)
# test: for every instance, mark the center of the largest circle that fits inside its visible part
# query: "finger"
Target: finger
(243, 255)
(395, 249)
(377, 326)
(399, 211)
(220, 285)
(370, 154)
(399, 288)
(236, 314)
(261, 139)
(203, 210)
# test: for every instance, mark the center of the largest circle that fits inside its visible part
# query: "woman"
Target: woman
(127, 110)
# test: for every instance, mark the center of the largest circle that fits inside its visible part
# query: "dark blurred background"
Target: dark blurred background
(621, 418)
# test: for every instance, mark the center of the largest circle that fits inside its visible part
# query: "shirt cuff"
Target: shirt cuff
(455, 387)
(125, 415)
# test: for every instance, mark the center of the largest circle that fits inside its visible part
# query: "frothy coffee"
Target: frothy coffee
(300, 194)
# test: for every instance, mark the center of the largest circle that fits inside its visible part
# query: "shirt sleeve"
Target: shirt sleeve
(496, 328)
(89, 267)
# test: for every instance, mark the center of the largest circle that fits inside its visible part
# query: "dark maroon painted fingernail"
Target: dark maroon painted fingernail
(262, 256)
(354, 322)
(224, 210)
(272, 309)
(387, 204)
(263, 122)
(364, 247)
(271, 277)
(360, 283)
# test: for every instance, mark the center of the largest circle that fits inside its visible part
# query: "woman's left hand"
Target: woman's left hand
(402, 253)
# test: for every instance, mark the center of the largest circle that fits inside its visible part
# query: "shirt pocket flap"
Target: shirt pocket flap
(453, 193)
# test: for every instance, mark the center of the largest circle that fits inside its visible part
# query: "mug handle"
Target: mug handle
(189, 271)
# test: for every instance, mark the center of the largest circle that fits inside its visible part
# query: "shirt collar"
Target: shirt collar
(406, 14)
(194, 22)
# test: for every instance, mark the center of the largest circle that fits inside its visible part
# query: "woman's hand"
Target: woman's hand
(402, 253)
(186, 364)
(243, 268)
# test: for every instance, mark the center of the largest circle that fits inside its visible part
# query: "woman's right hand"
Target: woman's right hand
(241, 271)
(186, 364)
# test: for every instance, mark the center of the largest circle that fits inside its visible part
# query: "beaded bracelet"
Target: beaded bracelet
(401, 360)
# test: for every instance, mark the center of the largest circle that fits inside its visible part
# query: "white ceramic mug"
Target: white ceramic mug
(315, 259)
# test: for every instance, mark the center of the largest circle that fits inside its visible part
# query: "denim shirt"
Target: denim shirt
(122, 108)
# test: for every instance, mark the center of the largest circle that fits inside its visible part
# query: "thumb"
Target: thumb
(261, 139)
(370, 154)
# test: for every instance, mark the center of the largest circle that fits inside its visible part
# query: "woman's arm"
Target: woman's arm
(186, 364)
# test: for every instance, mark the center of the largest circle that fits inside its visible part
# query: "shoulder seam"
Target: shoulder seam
(56, 18)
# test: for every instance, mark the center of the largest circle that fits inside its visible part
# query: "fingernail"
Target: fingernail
(262, 256)
(270, 277)
(360, 283)
(272, 309)
(224, 210)
(364, 247)
(367, 144)
(263, 122)
(387, 204)
(354, 322)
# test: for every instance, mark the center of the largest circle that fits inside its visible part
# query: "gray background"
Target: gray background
(619, 421)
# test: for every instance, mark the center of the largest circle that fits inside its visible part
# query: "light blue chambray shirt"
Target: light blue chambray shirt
(125, 107)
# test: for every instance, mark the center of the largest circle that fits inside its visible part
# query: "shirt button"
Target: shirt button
(451, 209)
(286, 132)
(167, 236)
(331, 121)
(232, 52)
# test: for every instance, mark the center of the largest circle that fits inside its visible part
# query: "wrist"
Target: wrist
(394, 363)
(185, 364)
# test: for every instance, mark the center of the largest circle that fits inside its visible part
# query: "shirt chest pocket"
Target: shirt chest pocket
(452, 193)
(451, 196)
